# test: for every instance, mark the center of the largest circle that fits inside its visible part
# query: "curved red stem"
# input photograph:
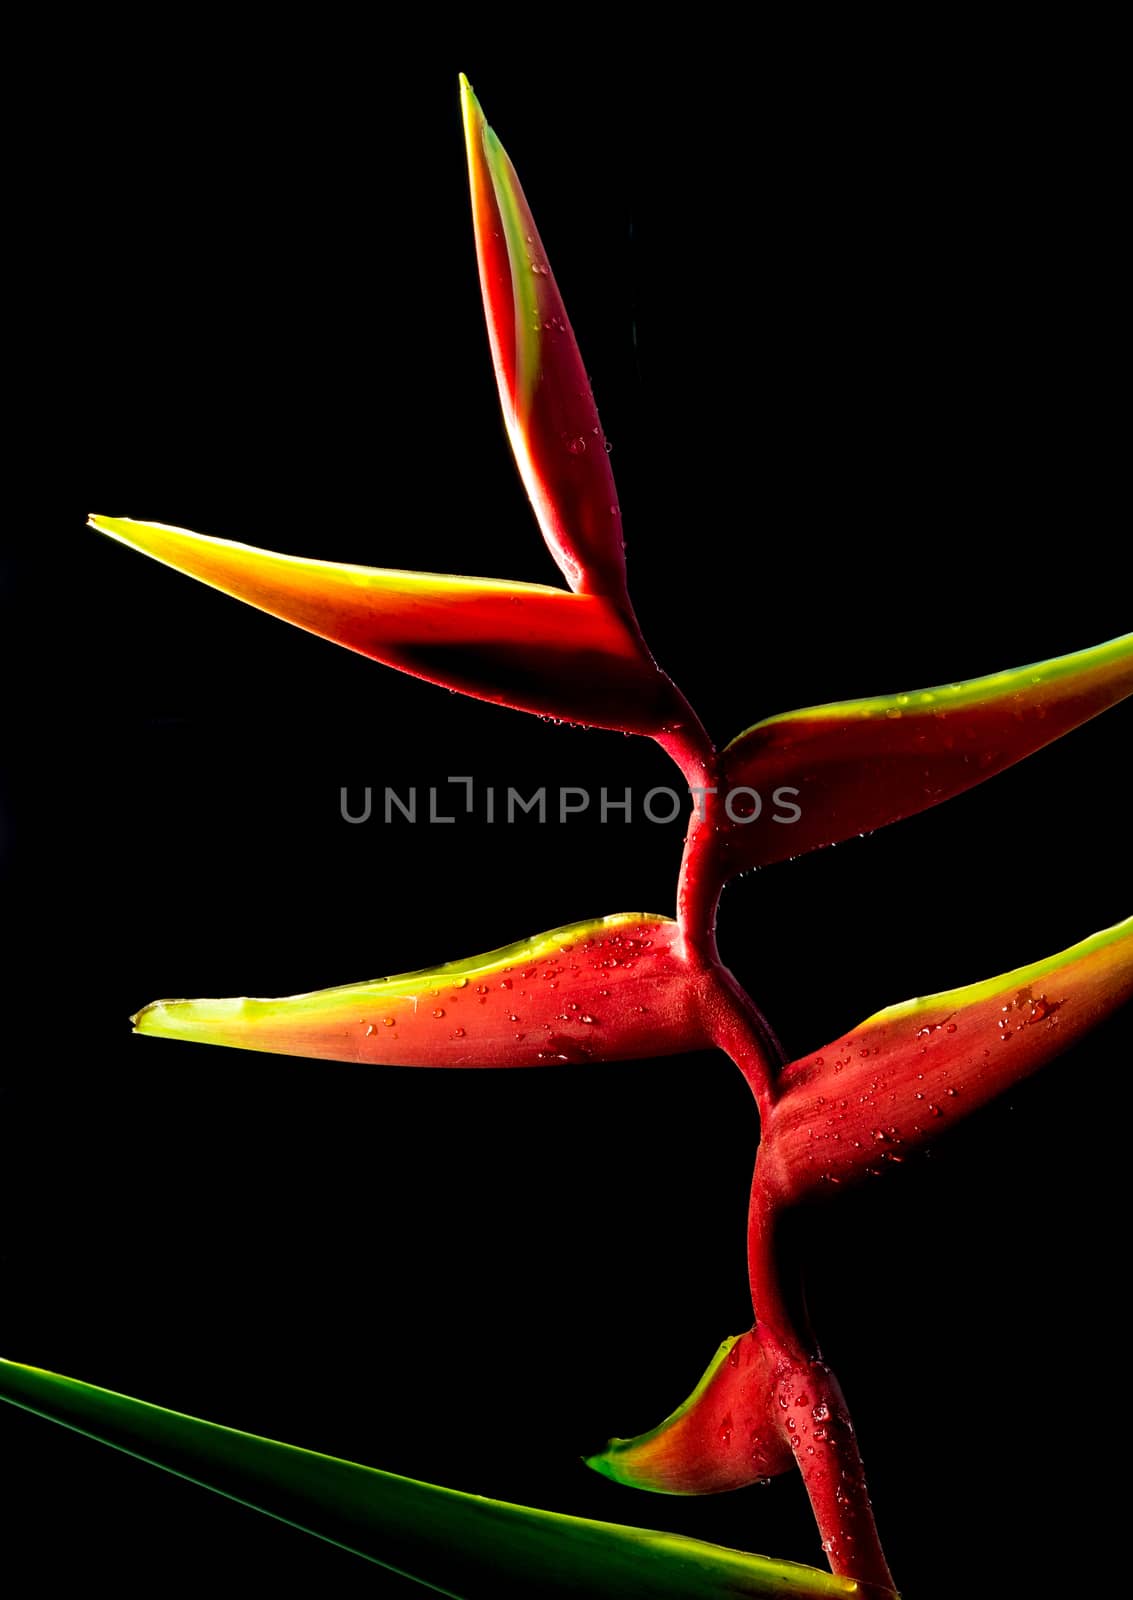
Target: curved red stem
(814, 1416)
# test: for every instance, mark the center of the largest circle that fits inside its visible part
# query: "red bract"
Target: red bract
(859, 764)
(524, 645)
(911, 1072)
(724, 1436)
(637, 985)
(605, 990)
(549, 411)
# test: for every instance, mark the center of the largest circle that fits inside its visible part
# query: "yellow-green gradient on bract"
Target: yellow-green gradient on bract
(519, 644)
(548, 407)
(612, 989)
(856, 765)
(913, 1071)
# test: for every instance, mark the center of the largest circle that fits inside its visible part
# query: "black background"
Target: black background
(853, 332)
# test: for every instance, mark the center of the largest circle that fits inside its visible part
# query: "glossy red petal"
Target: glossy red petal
(726, 1434)
(833, 771)
(549, 411)
(570, 656)
(913, 1071)
(609, 990)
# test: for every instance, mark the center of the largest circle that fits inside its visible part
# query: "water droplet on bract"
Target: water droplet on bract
(369, 1029)
(388, 1022)
(935, 1111)
(576, 447)
(438, 1013)
(461, 983)
(458, 1033)
(586, 1017)
(505, 983)
(820, 1435)
(512, 1017)
(892, 711)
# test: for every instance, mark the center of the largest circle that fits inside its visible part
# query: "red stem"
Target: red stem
(814, 1416)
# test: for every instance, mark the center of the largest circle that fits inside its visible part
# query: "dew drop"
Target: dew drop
(438, 1013)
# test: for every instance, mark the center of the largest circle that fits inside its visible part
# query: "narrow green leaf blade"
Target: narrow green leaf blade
(460, 1544)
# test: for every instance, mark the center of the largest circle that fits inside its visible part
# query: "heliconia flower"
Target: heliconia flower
(632, 985)
(607, 990)
(549, 411)
(571, 656)
(911, 1072)
(859, 764)
(460, 1544)
(726, 1435)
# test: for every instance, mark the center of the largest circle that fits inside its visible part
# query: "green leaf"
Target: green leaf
(460, 1544)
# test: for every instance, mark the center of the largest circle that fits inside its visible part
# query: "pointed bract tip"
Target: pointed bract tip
(602, 1462)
